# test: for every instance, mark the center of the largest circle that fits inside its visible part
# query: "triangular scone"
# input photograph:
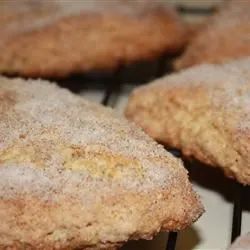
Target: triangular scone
(226, 36)
(203, 111)
(241, 243)
(56, 38)
(75, 175)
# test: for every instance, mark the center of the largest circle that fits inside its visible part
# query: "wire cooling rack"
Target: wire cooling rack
(110, 89)
(110, 92)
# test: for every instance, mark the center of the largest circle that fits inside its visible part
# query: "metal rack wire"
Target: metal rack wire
(237, 211)
(111, 91)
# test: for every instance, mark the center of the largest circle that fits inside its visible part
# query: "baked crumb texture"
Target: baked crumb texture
(76, 175)
(226, 36)
(204, 111)
(241, 243)
(57, 38)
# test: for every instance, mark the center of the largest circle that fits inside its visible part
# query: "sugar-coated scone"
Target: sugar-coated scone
(241, 243)
(75, 175)
(225, 37)
(204, 111)
(57, 38)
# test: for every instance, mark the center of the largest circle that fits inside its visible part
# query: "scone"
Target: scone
(225, 37)
(57, 38)
(241, 243)
(74, 175)
(203, 111)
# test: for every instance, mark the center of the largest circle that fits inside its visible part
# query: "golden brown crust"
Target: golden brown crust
(69, 225)
(225, 37)
(203, 111)
(49, 39)
(75, 175)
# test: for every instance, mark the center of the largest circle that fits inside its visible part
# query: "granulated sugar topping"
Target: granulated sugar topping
(23, 16)
(227, 86)
(53, 141)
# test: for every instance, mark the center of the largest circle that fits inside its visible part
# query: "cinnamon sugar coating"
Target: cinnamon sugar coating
(204, 111)
(225, 37)
(57, 38)
(76, 175)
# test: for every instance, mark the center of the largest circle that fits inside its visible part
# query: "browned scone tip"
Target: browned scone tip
(204, 111)
(241, 243)
(226, 36)
(75, 175)
(57, 38)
